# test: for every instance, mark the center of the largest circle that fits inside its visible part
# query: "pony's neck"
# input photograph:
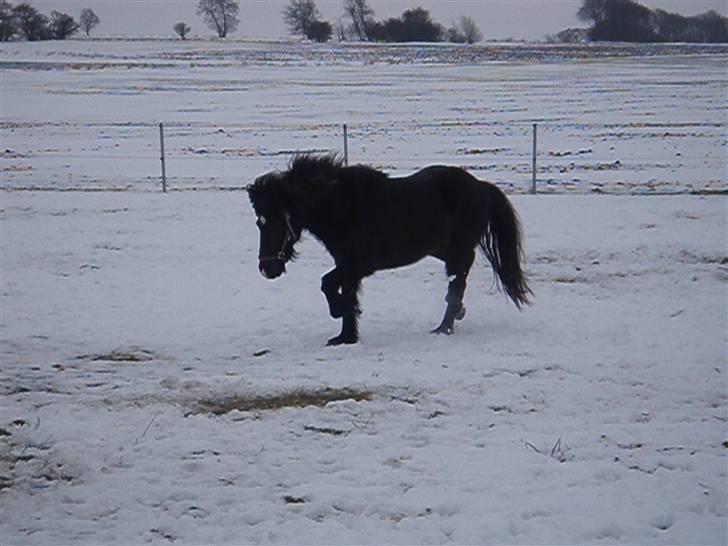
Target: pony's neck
(319, 212)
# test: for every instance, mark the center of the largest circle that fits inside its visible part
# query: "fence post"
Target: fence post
(164, 170)
(533, 165)
(346, 147)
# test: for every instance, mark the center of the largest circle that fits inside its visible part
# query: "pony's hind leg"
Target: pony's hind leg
(457, 270)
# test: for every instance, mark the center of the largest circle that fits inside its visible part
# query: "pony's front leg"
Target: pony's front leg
(349, 314)
(330, 286)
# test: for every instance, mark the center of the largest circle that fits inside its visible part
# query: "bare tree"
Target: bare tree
(618, 20)
(593, 10)
(340, 30)
(62, 25)
(361, 16)
(299, 15)
(31, 23)
(8, 26)
(469, 29)
(220, 15)
(182, 30)
(454, 35)
(89, 20)
(320, 31)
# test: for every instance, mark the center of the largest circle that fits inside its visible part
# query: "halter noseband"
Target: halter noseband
(290, 234)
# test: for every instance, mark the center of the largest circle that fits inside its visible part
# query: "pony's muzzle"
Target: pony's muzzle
(272, 269)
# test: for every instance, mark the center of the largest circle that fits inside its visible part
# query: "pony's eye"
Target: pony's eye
(260, 221)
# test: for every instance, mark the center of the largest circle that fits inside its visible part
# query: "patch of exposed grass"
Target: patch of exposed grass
(294, 399)
(325, 430)
(121, 355)
(290, 499)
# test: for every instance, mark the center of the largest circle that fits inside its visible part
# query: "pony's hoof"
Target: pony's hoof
(447, 330)
(461, 313)
(341, 340)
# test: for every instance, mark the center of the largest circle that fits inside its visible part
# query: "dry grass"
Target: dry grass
(134, 354)
(294, 399)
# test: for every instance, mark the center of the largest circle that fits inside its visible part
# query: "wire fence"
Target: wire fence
(563, 157)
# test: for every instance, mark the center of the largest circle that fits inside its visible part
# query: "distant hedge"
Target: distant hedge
(628, 21)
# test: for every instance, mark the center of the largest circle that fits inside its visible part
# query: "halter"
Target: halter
(290, 234)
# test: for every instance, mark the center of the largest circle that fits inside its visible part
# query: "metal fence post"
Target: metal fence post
(346, 147)
(164, 170)
(533, 165)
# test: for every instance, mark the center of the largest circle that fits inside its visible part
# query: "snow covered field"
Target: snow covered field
(130, 318)
(157, 389)
(86, 114)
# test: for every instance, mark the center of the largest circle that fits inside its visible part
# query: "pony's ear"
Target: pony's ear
(262, 182)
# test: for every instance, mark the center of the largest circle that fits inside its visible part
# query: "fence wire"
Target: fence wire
(205, 155)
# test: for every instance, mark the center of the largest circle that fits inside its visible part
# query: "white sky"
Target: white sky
(262, 18)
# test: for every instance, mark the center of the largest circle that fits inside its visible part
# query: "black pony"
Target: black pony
(368, 221)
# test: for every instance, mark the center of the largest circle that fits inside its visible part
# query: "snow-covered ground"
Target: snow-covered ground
(598, 415)
(155, 388)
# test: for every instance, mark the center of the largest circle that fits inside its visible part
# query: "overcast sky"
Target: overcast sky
(262, 18)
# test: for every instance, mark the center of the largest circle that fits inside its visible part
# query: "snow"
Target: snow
(622, 358)
(133, 320)
(86, 114)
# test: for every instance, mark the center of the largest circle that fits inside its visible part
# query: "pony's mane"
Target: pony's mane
(309, 171)
(306, 166)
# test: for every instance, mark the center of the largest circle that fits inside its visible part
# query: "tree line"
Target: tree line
(358, 23)
(612, 20)
(629, 21)
(24, 21)
(302, 18)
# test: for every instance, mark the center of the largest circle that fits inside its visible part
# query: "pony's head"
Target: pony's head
(279, 199)
(278, 232)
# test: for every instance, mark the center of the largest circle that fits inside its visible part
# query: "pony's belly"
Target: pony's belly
(401, 259)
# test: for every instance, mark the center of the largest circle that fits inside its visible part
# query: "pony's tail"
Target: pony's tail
(501, 244)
